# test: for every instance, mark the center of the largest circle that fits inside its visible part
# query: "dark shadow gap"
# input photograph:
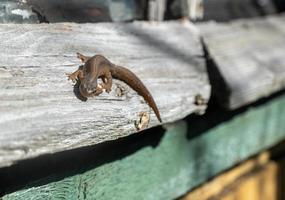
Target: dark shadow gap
(219, 88)
(53, 167)
(280, 5)
(41, 18)
(216, 114)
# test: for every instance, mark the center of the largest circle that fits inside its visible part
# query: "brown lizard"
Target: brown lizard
(100, 67)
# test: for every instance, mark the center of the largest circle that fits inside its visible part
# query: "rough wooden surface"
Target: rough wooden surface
(187, 155)
(40, 112)
(156, 10)
(249, 55)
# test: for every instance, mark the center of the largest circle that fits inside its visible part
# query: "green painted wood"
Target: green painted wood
(188, 154)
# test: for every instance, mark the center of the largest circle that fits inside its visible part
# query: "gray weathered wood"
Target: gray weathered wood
(41, 114)
(193, 9)
(156, 10)
(249, 55)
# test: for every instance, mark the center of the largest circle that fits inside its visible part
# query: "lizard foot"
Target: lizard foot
(108, 90)
(71, 77)
(98, 91)
(106, 87)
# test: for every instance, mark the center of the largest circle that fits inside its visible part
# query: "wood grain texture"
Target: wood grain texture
(156, 10)
(249, 55)
(39, 110)
(261, 185)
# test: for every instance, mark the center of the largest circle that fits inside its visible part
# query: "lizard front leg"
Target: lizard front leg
(99, 90)
(107, 82)
(78, 74)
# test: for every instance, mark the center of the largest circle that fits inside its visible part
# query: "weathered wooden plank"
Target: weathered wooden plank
(156, 10)
(39, 110)
(261, 184)
(249, 55)
(187, 155)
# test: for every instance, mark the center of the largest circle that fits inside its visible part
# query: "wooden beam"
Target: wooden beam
(262, 183)
(226, 180)
(40, 112)
(156, 10)
(248, 55)
(157, 165)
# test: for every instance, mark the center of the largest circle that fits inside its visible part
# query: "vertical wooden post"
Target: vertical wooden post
(192, 9)
(156, 10)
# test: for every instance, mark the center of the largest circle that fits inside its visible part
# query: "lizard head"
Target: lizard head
(88, 87)
(83, 58)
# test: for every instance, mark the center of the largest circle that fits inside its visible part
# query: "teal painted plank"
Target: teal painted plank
(188, 155)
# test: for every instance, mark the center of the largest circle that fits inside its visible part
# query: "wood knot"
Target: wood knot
(4, 73)
(143, 121)
(120, 90)
(199, 100)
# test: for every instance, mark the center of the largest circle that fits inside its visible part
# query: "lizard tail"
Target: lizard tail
(125, 75)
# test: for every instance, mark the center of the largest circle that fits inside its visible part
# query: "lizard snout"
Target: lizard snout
(86, 91)
(89, 88)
